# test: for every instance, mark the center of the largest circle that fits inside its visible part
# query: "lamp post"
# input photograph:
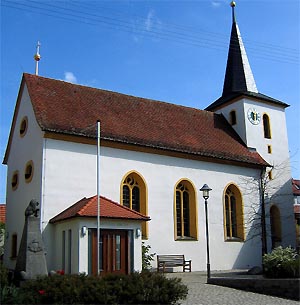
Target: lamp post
(205, 192)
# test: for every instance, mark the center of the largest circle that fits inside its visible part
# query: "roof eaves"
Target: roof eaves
(227, 98)
(13, 125)
(161, 146)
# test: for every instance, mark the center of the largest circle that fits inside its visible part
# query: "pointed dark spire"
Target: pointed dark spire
(238, 76)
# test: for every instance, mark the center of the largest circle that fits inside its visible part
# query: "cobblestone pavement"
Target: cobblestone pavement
(201, 293)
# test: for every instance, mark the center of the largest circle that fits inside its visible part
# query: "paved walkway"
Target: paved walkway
(201, 293)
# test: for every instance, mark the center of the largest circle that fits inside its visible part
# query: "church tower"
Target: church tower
(260, 121)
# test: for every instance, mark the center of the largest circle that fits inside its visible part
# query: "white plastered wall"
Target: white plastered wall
(22, 150)
(279, 190)
(70, 174)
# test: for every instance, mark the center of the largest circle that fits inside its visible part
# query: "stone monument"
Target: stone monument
(31, 260)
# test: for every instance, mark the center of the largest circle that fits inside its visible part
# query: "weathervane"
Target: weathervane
(37, 58)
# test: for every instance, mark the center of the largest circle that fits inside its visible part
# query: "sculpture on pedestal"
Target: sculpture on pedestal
(31, 260)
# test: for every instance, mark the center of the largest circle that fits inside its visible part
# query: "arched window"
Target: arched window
(267, 128)
(232, 117)
(185, 211)
(275, 226)
(233, 214)
(134, 196)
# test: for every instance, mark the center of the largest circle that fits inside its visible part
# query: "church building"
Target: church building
(154, 158)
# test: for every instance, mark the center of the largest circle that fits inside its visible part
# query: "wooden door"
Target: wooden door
(114, 251)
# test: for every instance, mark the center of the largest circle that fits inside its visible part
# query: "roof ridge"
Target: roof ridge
(86, 205)
(115, 92)
(92, 199)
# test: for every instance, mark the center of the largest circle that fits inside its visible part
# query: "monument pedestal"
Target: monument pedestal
(31, 261)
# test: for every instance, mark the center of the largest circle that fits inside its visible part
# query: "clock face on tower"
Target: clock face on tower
(253, 116)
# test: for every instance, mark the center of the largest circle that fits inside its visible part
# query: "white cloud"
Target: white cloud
(70, 77)
(216, 3)
(149, 20)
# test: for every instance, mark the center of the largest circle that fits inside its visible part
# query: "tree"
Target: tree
(273, 186)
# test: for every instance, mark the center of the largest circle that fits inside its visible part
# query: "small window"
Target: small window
(69, 251)
(267, 128)
(23, 126)
(270, 175)
(14, 246)
(29, 171)
(232, 116)
(15, 180)
(275, 221)
(269, 149)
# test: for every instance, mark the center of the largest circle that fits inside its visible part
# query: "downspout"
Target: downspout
(43, 184)
(262, 186)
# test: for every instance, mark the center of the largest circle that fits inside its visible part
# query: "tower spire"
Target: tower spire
(37, 58)
(238, 76)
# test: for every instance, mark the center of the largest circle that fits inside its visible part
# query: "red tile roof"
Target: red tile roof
(66, 108)
(296, 187)
(2, 212)
(87, 207)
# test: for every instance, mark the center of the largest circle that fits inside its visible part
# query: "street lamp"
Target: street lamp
(205, 192)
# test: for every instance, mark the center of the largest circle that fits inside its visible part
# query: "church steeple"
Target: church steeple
(238, 76)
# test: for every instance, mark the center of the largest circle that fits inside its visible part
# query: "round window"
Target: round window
(15, 180)
(23, 126)
(29, 171)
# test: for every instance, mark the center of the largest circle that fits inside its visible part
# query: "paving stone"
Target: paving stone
(201, 293)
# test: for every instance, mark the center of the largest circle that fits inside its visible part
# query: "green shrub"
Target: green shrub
(9, 294)
(147, 257)
(136, 288)
(3, 275)
(281, 263)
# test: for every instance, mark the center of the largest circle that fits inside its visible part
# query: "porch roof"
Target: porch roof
(87, 207)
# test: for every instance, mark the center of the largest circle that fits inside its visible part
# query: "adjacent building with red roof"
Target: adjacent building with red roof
(2, 212)
(154, 156)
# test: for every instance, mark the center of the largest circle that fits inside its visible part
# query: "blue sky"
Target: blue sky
(172, 51)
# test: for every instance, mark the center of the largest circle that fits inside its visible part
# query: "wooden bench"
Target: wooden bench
(173, 260)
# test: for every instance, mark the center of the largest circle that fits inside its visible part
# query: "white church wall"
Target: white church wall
(23, 149)
(70, 262)
(278, 190)
(70, 174)
(239, 127)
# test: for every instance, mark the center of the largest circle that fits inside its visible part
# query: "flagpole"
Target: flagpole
(98, 197)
